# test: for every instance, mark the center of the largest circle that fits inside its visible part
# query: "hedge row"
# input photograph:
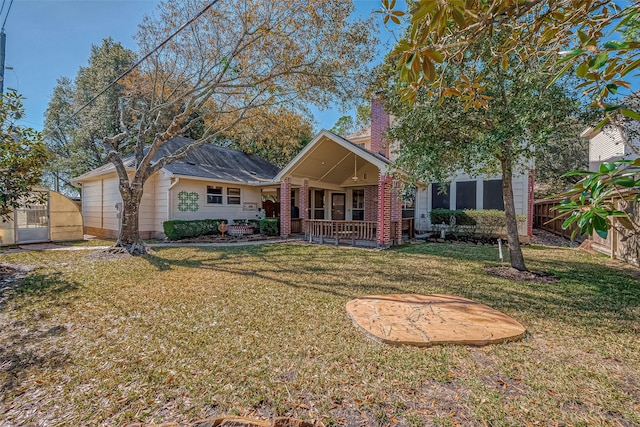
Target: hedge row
(488, 222)
(179, 229)
(449, 216)
(270, 227)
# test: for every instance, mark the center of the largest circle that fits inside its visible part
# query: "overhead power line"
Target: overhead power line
(7, 15)
(137, 63)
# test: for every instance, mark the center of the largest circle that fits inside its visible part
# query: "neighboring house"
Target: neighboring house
(57, 218)
(211, 182)
(605, 145)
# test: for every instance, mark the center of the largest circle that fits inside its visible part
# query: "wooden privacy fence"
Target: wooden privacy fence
(543, 218)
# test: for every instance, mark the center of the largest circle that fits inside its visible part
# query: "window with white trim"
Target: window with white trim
(214, 195)
(233, 196)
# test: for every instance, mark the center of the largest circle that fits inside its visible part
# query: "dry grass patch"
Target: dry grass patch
(262, 331)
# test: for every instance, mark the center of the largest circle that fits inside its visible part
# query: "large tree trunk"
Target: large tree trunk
(515, 251)
(129, 236)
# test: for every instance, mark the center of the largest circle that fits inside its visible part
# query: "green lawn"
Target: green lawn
(262, 330)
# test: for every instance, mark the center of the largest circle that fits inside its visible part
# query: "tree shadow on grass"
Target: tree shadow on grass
(236, 263)
(21, 341)
(587, 295)
(23, 290)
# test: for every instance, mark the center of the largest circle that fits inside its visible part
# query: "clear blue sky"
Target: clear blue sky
(47, 39)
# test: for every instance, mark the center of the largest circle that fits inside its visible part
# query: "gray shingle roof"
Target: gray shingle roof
(208, 161)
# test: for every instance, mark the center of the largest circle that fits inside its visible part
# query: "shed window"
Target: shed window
(492, 195)
(233, 196)
(466, 195)
(214, 195)
(439, 196)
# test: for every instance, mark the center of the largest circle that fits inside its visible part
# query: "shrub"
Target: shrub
(179, 229)
(438, 216)
(269, 227)
(483, 223)
(491, 222)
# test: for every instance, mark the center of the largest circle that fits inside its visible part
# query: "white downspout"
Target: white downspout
(169, 200)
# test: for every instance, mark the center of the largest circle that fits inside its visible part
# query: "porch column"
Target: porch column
(396, 209)
(384, 211)
(285, 207)
(304, 200)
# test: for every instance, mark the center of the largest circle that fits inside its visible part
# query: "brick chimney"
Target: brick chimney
(379, 125)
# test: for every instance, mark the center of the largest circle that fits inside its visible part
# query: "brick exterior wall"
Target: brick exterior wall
(370, 203)
(285, 207)
(379, 125)
(304, 200)
(384, 211)
(396, 210)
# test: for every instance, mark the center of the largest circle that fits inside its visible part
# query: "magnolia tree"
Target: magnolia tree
(22, 157)
(440, 138)
(594, 39)
(233, 63)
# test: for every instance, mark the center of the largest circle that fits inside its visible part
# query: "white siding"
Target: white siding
(92, 204)
(162, 184)
(147, 213)
(422, 209)
(110, 198)
(605, 147)
(423, 197)
(213, 211)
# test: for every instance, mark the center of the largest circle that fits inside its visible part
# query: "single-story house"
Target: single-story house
(334, 190)
(55, 218)
(211, 182)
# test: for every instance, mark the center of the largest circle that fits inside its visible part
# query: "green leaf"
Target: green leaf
(605, 167)
(584, 38)
(612, 88)
(630, 113)
(582, 69)
(630, 67)
(599, 61)
(578, 172)
(615, 45)
(569, 56)
(625, 181)
(560, 74)
(601, 124)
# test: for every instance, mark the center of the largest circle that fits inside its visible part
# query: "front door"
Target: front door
(338, 202)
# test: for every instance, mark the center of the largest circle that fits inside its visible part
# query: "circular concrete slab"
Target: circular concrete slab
(426, 320)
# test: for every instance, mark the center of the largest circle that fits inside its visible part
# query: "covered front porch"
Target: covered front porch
(340, 193)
